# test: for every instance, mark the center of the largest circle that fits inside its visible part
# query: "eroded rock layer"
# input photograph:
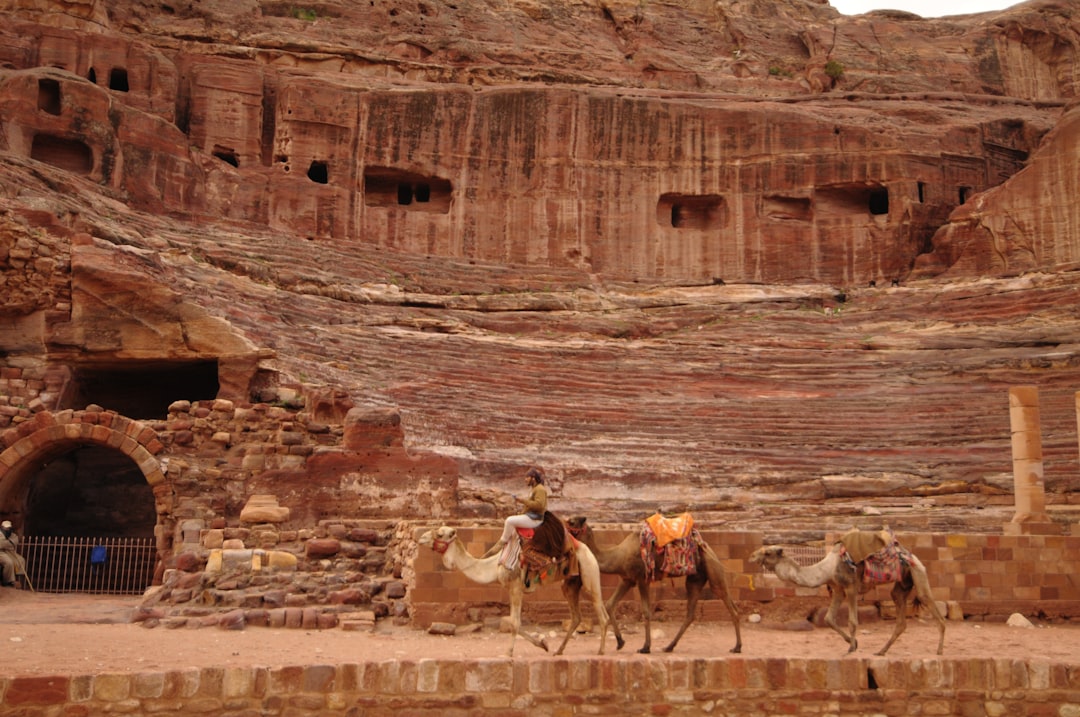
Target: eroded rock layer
(733, 256)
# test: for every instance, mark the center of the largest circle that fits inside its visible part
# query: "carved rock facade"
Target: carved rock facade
(377, 259)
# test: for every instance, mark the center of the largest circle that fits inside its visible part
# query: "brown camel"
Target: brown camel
(444, 540)
(625, 561)
(844, 578)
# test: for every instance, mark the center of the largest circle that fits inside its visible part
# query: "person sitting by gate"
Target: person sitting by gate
(10, 561)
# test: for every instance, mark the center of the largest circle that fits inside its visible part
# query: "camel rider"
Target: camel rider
(532, 515)
(10, 560)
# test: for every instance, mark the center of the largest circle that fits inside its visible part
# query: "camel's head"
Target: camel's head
(767, 556)
(577, 526)
(438, 539)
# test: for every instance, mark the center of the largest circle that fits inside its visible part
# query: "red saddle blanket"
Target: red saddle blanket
(675, 558)
(886, 565)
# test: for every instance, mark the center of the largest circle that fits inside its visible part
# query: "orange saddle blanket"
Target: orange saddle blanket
(668, 529)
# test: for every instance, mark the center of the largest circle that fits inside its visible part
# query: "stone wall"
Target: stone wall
(266, 512)
(979, 576)
(638, 685)
(339, 573)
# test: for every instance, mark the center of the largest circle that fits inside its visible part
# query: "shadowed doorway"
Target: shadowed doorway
(89, 524)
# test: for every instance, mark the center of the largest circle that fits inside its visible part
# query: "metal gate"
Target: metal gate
(113, 566)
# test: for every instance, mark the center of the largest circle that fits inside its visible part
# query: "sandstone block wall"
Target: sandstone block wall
(630, 686)
(987, 576)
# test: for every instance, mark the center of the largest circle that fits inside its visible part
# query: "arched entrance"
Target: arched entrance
(88, 494)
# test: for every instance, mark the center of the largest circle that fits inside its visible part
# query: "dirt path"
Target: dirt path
(45, 634)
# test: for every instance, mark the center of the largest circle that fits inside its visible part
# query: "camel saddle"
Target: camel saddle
(669, 546)
(669, 528)
(545, 549)
(876, 555)
(860, 544)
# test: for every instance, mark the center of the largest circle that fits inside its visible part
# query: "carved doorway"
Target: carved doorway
(82, 488)
(89, 524)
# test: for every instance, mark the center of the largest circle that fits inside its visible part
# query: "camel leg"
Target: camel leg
(515, 617)
(601, 614)
(900, 597)
(517, 595)
(719, 584)
(645, 597)
(571, 590)
(609, 606)
(900, 593)
(853, 617)
(838, 595)
(694, 583)
(922, 589)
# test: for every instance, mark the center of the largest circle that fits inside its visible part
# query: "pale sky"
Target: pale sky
(925, 8)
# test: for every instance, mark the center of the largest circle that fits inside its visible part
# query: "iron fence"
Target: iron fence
(112, 566)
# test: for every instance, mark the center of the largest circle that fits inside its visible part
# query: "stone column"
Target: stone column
(1027, 457)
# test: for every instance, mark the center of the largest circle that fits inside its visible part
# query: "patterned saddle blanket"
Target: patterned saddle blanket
(669, 546)
(885, 566)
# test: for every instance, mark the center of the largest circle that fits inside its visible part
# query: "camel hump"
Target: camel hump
(861, 544)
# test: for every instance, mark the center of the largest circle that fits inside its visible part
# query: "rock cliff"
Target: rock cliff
(749, 256)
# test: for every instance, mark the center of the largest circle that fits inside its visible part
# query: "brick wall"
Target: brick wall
(985, 575)
(626, 685)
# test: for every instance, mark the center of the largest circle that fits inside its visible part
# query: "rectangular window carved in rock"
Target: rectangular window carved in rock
(118, 79)
(781, 208)
(49, 96)
(388, 187)
(142, 389)
(856, 198)
(691, 211)
(69, 154)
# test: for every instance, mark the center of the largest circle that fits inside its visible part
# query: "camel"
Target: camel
(625, 561)
(490, 570)
(843, 579)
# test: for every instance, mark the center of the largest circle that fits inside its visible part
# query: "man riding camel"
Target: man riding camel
(532, 515)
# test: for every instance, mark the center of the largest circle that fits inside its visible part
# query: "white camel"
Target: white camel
(842, 578)
(444, 540)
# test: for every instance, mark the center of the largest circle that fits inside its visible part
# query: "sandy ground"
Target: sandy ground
(46, 634)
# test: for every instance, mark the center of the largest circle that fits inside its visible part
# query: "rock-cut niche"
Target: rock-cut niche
(49, 96)
(388, 187)
(691, 211)
(140, 389)
(71, 155)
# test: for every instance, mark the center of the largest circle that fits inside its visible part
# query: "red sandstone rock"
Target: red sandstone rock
(483, 239)
(322, 547)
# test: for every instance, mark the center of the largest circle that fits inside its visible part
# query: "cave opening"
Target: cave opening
(226, 155)
(69, 154)
(89, 522)
(90, 490)
(118, 79)
(49, 96)
(318, 172)
(141, 389)
(387, 187)
(878, 203)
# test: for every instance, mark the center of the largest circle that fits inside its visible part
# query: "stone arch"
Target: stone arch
(48, 434)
